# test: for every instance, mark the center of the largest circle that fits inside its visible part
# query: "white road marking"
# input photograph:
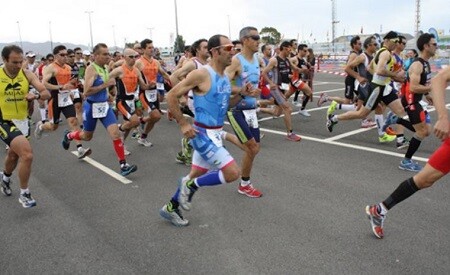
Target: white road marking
(352, 146)
(105, 169)
(351, 133)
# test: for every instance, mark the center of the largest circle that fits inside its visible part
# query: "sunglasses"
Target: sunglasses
(226, 48)
(132, 56)
(434, 44)
(71, 56)
(395, 40)
(374, 44)
(237, 49)
(78, 53)
(62, 54)
(255, 37)
(50, 60)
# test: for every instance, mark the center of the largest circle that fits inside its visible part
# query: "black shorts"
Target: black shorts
(376, 95)
(9, 131)
(54, 111)
(146, 104)
(415, 112)
(349, 88)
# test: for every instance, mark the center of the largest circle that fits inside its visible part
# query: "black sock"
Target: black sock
(173, 204)
(305, 101)
(6, 174)
(245, 178)
(412, 148)
(406, 123)
(296, 95)
(405, 190)
(79, 145)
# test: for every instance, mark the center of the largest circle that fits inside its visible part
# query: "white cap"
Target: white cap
(86, 52)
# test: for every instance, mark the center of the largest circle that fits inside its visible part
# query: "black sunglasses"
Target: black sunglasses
(254, 37)
(434, 44)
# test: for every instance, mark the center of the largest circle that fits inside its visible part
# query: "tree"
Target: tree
(270, 35)
(178, 47)
(131, 45)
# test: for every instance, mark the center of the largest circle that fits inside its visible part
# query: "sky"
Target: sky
(115, 22)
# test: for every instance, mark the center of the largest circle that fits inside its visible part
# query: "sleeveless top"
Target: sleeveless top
(211, 107)
(425, 77)
(102, 77)
(378, 79)
(250, 72)
(13, 91)
(150, 69)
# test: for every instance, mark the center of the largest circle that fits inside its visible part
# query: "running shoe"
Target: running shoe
(293, 137)
(376, 220)
(304, 113)
(5, 186)
(390, 131)
(127, 169)
(173, 215)
(66, 141)
(144, 142)
(38, 130)
(249, 191)
(330, 123)
(332, 108)
(186, 193)
(322, 99)
(409, 165)
(403, 144)
(82, 153)
(368, 123)
(390, 119)
(386, 138)
(27, 200)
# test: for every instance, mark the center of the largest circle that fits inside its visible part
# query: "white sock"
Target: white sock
(6, 179)
(348, 107)
(245, 182)
(43, 113)
(24, 191)
(383, 210)
(379, 119)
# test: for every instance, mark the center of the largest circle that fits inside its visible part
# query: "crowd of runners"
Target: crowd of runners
(216, 80)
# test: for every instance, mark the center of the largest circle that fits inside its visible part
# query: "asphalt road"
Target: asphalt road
(311, 219)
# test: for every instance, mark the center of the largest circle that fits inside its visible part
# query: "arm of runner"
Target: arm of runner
(47, 74)
(181, 73)
(197, 78)
(415, 70)
(40, 88)
(438, 86)
(381, 66)
(351, 65)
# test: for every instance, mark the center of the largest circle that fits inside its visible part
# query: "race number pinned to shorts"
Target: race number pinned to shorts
(387, 90)
(216, 136)
(100, 109)
(64, 98)
(251, 118)
(284, 86)
(159, 86)
(23, 125)
(75, 93)
(151, 95)
(131, 104)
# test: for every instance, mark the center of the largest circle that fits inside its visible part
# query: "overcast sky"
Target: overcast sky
(114, 21)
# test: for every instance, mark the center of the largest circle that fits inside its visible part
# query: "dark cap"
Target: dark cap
(391, 35)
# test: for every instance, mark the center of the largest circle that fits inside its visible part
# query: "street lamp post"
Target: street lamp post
(20, 35)
(90, 28)
(114, 37)
(151, 32)
(51, 38)
(229, 29)
(176, 18)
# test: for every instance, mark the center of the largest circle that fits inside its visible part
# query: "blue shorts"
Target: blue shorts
(241, 128)
(89, 122)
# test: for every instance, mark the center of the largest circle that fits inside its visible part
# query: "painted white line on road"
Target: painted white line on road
(352, 146)
(351, 133)
(105, 169)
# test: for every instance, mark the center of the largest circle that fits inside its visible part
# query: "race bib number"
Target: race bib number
(251, 118)
(100, 109)
(284, 86)
(75, 93)
(64, 98)
(151, 95)
(23, 125)
(159, 86)
(387, 90)
(216, 136)
(131, 104)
